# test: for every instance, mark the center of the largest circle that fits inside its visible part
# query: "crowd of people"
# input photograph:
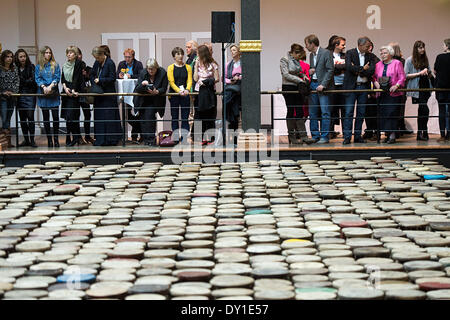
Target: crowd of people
(199, 73)
(360, 69)
(195, 70)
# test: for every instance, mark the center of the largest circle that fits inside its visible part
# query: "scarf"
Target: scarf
(68, 70)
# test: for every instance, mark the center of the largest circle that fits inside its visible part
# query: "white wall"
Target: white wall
(282, 23)
(9, 25)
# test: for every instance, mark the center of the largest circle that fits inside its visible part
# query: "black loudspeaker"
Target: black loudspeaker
(222, 26)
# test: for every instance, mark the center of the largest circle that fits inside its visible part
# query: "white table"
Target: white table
(127, 86)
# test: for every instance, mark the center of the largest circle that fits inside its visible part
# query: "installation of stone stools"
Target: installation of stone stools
(269, 230)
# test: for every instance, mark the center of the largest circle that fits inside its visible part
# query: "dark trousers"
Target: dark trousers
(206, 119)
(86, 107)
(423, 112)
(27, 122)
(389, 112)
(337, 105)
(147, 117)
(134, 122)
(444, 106)
(180, 104)
(371, 115)
(46, 117)
(401, 116)
(361, 101)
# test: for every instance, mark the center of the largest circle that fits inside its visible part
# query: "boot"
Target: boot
(301, 134)
(26, 142)
(55, 138)
(291, 131)
(68, 140)
(49, 141)
(421, 136)
(32, 142)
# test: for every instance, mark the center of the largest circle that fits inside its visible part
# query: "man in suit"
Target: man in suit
(359, 69)
(322, 70)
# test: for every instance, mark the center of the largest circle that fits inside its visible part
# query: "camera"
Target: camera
(150, 86)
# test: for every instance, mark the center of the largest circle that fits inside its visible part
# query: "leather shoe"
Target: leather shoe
(322, 141)
(309, 141)
(391, 141)
(346, 141)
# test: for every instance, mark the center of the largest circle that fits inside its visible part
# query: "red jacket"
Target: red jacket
(305, 70)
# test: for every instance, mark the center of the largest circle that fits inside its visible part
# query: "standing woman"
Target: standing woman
(26, 105)
(398, 55)
(389, 76)
(233, 79)
(73, 83)
(9, 84)
(292, 77)
(48, 75)
(206, 74)
(442, 72)
(179, 75)
(418, 74)
(106, 110)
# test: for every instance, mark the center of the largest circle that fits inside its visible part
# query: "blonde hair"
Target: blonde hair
(396, 47)
(152, 63)
(234, 45)
(98, 51)
(41, 59)
(74, 50)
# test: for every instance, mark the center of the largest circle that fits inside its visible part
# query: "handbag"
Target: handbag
(236, 88)
(385, 83)
(93, 88)
(165, 139)
(54, 93)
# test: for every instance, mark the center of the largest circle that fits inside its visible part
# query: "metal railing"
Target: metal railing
(124, 119)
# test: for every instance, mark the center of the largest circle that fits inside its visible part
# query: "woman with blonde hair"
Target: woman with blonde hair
(107, 126)
(73, 83)
(47, 76)
(398, 55)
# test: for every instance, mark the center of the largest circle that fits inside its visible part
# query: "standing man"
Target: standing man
(191, 53)
(359, 69)
(131, 68)
(337, 105)
(442, 72)
(322, 69)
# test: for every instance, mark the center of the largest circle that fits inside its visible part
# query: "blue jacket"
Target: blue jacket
(46, 77)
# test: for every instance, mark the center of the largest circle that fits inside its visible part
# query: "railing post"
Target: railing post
(272, 124)
(378, 121)
(17, 127)
(124, 131)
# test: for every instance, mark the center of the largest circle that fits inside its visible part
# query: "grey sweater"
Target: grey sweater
(290, 71)
(412, 83)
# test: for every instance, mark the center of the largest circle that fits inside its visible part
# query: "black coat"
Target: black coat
(27, 80)
(353, 68)
(137, 68)
(161, 83)
(207, 95)
(78, 85)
